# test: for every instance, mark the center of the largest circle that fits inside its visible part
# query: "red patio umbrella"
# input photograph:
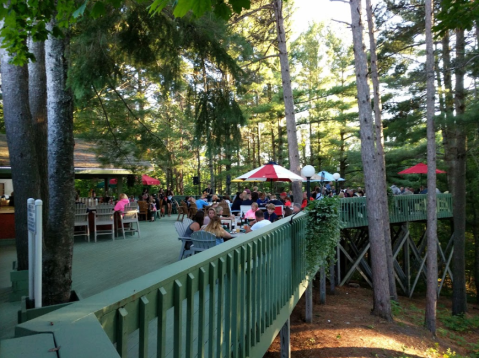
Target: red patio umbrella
(113, 181)
(147, 180)
(420, 168)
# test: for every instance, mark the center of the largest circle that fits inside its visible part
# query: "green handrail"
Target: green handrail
(402, 208)
(229, 300)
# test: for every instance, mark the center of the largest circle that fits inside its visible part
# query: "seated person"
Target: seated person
(219, 213)
(200, 203)
(260, 222)
(211, 215)
(304, 203)
(262, 201)
(237, 202)
(247, 200)
(198, 221)
(227, 199)
(288, 202)
(120, 206)
(250, 214)
(216, 229)
(270, 214)
(215, 199)
(275, 201)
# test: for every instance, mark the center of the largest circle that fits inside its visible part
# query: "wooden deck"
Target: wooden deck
(102, 265)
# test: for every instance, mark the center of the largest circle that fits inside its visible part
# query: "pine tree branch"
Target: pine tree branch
(341, 22)
(136, 118)
(260, 59)
(110, 129)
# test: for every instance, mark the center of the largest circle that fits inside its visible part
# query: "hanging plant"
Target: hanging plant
(322, 233)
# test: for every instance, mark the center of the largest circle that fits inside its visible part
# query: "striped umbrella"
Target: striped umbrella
(269, 172)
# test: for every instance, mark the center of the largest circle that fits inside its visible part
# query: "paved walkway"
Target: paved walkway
(102, 265)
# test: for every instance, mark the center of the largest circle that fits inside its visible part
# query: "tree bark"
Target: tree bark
(380, 148)
(372, 171)
(21, 146)
(37, 93)
(58, 250)
(431, 231)
(288, 99)
(459, 296)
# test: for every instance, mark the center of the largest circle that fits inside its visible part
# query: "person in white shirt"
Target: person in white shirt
(260, 222)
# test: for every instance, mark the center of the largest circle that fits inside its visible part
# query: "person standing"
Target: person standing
(169, 197)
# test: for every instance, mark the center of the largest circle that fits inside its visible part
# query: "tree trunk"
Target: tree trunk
(448, 139)
(37, 93)
(372, 171)
(383, 203)
(288, 99)
(58, 251)
(21, 146)
(431, 231)
(459, 296)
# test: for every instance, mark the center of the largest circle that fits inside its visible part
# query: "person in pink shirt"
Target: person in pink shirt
(250, 214)
(120, 206)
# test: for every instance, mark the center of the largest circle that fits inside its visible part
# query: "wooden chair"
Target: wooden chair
(201, 241)
(81, 221)
(130, 217)
(143, 207)
(182, 210)
(105, 216)
(226, 208)
(181, 227)
(192, 211)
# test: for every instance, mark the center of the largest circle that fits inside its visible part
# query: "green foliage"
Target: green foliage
(322, 232)
(460, 323)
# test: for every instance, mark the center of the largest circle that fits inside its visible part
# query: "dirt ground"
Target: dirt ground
(344, 327)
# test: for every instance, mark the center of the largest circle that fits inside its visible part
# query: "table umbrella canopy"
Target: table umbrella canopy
(323, 175)
(269, 172)
(147, 180)
(419, 168)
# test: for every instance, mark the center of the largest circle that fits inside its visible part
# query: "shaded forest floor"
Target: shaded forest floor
(344, 328)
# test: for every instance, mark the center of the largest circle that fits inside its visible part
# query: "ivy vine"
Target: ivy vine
(322, 232)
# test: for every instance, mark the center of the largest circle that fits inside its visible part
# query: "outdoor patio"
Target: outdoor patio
(102, 265)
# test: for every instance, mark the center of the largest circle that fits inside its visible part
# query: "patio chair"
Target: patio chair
(226, 208)
(105, 216)
(81, 221)
(192, 211)
(130, 217)
(181, 227)
(279, 210)
(227, 222)
(182, 211)
(201, 241)
(143, 209)
(244, 209)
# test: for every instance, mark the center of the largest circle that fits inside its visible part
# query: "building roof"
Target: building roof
(85, 160)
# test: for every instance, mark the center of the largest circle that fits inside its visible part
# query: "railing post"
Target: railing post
(308, 296)
(322, 285)
(285, 339)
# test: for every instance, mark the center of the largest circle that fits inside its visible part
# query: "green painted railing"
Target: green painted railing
(402, 208)
(229, 301)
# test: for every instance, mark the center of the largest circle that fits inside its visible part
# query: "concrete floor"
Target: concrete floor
(102, 265)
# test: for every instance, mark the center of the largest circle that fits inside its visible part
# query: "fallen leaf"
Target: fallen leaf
(54, 349)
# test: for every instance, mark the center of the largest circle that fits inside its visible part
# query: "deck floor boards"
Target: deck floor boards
(102, 265)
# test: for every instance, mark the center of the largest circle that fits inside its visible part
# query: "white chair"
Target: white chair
(181, 227)
(201, 241)
(244, 209)
(81, 220)
(227, 222)
(130, 216)
(105, 216)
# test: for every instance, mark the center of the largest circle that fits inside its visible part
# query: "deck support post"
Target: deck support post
(332, 278)
(285, 338)
(322, 285)
(308, 296)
